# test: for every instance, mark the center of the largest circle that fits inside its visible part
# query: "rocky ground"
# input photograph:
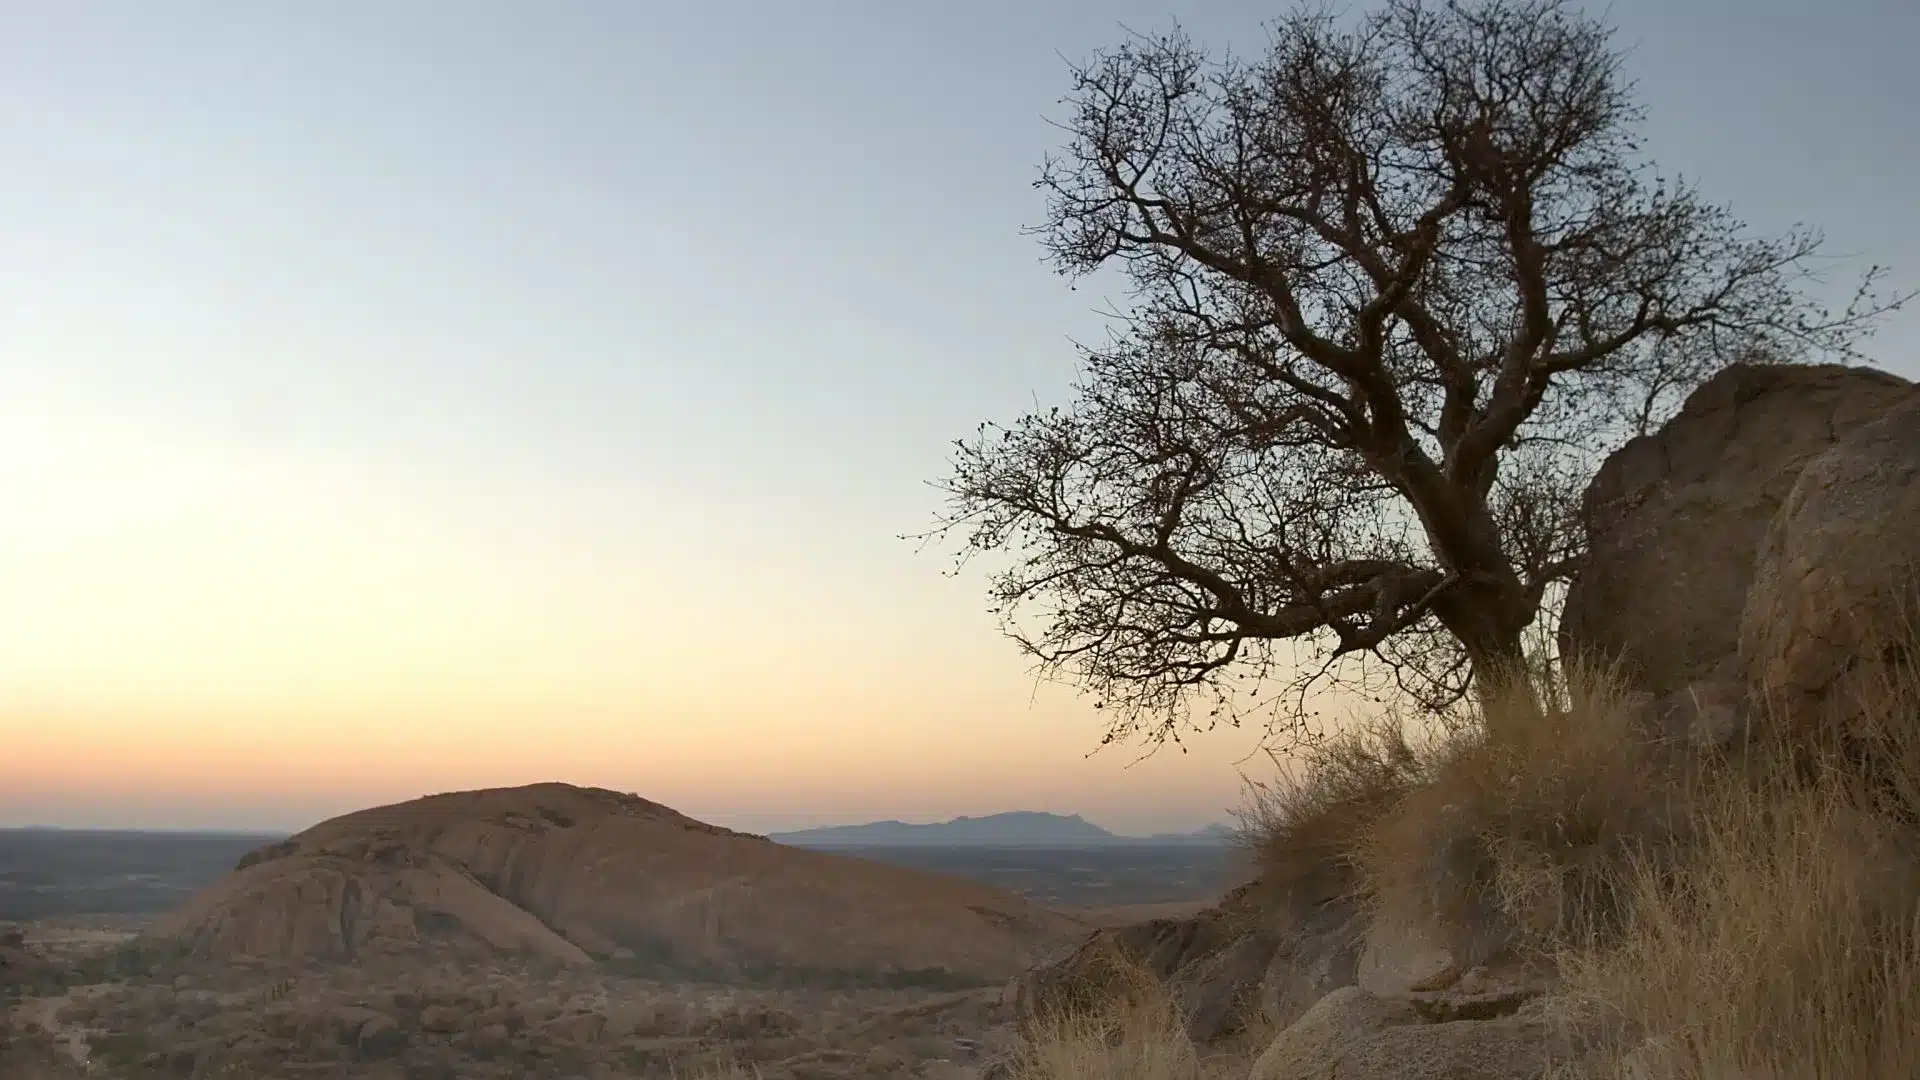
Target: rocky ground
(90, 1008)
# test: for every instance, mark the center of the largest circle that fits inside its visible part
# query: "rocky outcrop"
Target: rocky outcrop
(1235, 968)
(1216, 963)
(1318, 950)
(1676, 519)
(576, 876)
(1112, 963)
(1357, 1035)
(1763, 544)
(1837, 580)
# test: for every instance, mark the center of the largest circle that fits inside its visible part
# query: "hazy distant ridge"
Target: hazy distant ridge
(1019, 828)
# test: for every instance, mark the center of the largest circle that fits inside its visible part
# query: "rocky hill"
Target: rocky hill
(580, 875)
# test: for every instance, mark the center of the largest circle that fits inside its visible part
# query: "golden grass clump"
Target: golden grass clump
(1137, 1034)
(1506, 831)
(1518, 837)
(1787, 946)
(1306, 829)
(1747, 915)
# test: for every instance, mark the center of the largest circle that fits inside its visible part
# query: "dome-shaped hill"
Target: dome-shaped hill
(577, 875)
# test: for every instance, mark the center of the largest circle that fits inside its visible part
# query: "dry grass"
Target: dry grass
(1520, 834)
(1092, 1047)
(1138, 1035)
(1307, 828)
(1788, 946)
(1496, 843)
(1748, 917)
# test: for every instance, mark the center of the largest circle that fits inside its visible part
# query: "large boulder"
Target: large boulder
(1317, 953)
(1229, 968)
(1357, 1035)
(1399, 955)
(1210, 960)
(582, 875)
(1675, 519)
(1837, 582)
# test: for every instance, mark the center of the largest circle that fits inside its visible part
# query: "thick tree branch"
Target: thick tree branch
(1396, 283)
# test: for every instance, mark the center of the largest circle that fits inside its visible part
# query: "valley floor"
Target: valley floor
(467, 1021)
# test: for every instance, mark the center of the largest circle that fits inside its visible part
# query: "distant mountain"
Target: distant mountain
(1018, 828)
(1215, 835)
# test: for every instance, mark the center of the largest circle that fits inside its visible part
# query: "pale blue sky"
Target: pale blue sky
(589, 357)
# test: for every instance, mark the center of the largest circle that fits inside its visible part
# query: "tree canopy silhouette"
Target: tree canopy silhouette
(1394, 284)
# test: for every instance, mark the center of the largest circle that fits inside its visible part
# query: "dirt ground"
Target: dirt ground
(107, 1012)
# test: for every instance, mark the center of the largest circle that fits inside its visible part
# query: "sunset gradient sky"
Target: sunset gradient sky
(409, 397)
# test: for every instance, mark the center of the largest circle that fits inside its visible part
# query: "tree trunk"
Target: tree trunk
(1489, 621)
(1500, 676)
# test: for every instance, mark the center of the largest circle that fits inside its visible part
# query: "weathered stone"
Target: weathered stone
(1836, 591)
(440, 1019)
(380, 1037)
(1397, 955)
(1316, 955)
(1675, 519)
(1355, 1035)
(1220, 998)
(1212, 961)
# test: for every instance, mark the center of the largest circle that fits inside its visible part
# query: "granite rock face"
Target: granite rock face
(1836, 588)
(1677, 519)
(575, 876)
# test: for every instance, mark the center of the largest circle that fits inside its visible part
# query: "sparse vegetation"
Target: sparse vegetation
(1308, 826)
(1788, 944)
(1502, 843)
(1393, 283)
(1753, 915)
(1514, 842)
(1140, 1035)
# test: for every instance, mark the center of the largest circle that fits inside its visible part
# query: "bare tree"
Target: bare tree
(1395, 284)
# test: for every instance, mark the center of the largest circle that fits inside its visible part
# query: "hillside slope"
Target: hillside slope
(579, 875)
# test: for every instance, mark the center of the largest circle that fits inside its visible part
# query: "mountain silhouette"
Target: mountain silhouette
(1017, 828)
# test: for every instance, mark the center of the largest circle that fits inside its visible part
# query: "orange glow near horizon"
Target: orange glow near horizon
(194, 625)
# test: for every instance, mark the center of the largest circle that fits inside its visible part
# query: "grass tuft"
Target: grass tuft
(1787, 947)
(1137, 1035)
(1517, 838)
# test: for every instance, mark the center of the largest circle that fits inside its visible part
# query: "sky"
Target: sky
(399, 398)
